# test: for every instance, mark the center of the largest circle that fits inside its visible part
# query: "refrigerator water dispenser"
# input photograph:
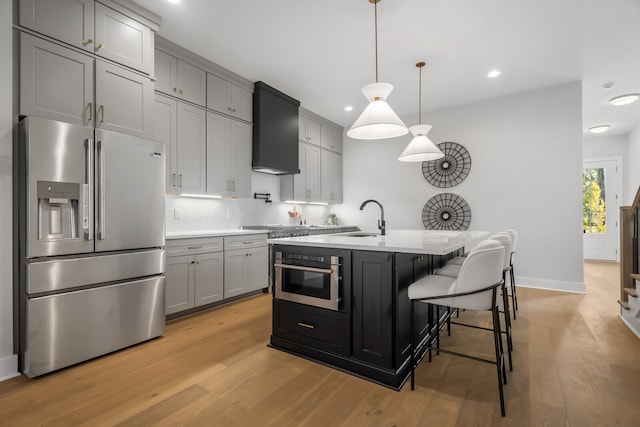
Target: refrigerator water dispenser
(58, 204)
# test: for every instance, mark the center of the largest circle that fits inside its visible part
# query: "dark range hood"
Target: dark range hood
(275, 131)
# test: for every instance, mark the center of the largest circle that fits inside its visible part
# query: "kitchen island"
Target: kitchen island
(363, 327)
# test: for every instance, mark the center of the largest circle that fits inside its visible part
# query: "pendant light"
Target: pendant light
(378, 120)
(420, 149)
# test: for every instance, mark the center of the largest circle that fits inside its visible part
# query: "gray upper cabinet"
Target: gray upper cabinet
(70, 21)
(331, 138)
(229, 144)
(55, 82)
(305, 186)
(309, 130)
(228, 98)
(331, 176)
(179, 78)
(165, 129)
(123, 39)
(192, 139)
(94, 27)
(124, 101)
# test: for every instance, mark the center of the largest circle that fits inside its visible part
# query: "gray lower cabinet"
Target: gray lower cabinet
(245, 264)
(95, 27)
(59, 83)
(195, 273)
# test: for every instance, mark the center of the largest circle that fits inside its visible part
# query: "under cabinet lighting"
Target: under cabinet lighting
(625, 99)
(599, 129)
(319, 203)
(200, 196)
(295, 202)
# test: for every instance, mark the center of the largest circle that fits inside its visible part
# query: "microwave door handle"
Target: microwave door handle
(86, 190)
(101, 196)
(297, 267)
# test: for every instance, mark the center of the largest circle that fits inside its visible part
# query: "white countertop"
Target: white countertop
(211, 233)
(429, 242)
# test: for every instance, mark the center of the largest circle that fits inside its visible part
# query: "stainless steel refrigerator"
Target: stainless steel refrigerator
(91, 243)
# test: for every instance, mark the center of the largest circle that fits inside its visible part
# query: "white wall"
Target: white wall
(216, 214)
(8, 361)
(526, 153)
(633, 171)
(609, 146)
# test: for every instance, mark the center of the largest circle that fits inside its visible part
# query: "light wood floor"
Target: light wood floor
(576, 364)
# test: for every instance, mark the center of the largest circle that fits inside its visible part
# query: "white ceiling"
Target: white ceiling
(321, 52)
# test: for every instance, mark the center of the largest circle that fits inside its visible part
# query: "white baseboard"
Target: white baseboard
(632, 323)
(8, 367)
(551, 285)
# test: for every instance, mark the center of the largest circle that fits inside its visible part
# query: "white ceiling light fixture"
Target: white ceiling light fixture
(493, 74)
(378, 120)
(599, 129)
(348, 108)
(173, 1)
(421, 148)
(625, 99)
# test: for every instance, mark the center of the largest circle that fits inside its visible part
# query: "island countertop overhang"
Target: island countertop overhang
(428, 242)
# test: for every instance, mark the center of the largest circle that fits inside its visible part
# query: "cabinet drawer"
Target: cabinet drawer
(194, 246)
(245, 241)
(316, 327)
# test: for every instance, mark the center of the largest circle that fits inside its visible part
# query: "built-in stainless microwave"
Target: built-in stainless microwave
(308, 279)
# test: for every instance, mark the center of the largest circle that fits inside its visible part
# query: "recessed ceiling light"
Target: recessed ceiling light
(174, 1)
(348, 108)
(599, 129)
(625, 99)
(493, 73)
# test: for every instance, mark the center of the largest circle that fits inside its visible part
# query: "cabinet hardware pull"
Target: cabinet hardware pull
(89, 41)
(233, 110)
(229, 109)
(180, 180)
(198, 262)
(175, 90)
(101, 199)
(90, 111)
(311, 269)
(247, 242)
(173, 179)
(101, 113)
(195, 247)
(100, 46)
(306, 325)
(180, 91)
(233, 185)
(193, 262)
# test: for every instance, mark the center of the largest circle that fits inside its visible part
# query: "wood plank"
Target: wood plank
(575, 364)
(632, 291)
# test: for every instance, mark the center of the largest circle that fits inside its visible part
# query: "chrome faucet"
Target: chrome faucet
(381, 224)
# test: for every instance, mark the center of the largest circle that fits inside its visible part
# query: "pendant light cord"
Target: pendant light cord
(375, 13)
(420, 97)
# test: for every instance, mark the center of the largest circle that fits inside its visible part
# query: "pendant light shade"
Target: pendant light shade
(420, 149)
(378, 120)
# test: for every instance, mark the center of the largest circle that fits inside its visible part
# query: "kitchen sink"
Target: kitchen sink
(358, 234)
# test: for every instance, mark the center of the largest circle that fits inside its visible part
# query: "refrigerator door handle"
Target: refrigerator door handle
(101, 195)
(86, 192)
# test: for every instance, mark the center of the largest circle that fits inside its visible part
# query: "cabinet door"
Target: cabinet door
(209, 278)
(309, 130)
(312, 173)
(192, 144)
(299, 180)
(219, 94)
(165, 71)
(257, 269)
(55, 82)
(240, 158)
(123, 40)
(331, 138)
(165, 130)
(124, 101)
(242, 103)
(235, 274)
(70, 21)
(218, 134)
(191, 83)
(180, 283)
(331, 175)
(371, 307)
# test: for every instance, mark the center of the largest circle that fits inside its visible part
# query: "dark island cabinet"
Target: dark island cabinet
(372, 307)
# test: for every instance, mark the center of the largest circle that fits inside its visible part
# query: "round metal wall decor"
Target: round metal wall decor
(446, 211)
(449, 170)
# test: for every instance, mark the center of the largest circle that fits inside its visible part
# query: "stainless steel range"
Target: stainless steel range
(277, 231)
